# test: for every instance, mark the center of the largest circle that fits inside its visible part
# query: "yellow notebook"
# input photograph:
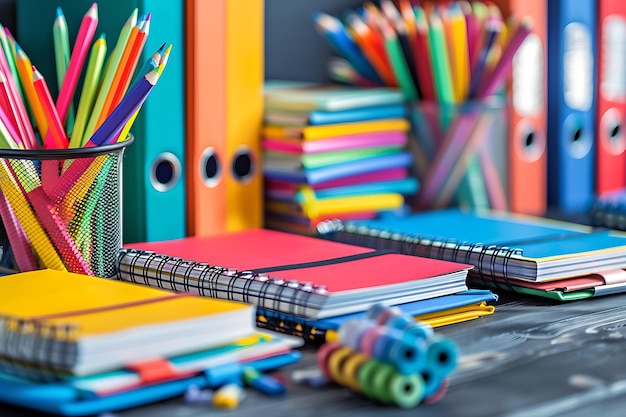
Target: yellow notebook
(83, 325)
(337, 129)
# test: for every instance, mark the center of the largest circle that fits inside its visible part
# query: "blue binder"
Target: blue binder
(153, 166)
(571, 103)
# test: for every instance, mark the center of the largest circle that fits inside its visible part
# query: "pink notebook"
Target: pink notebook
(287, 272)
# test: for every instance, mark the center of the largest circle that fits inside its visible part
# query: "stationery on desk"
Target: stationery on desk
(509, 252)
(77, 345)
(299, 275)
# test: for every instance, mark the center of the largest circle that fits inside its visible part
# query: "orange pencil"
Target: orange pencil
(371, 44)
(25, 72)
(56, 139)
(107, 107)
(131, 63)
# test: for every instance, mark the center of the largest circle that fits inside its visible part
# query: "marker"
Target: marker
(262, 382)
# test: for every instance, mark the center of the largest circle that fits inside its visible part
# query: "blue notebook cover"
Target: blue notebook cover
(496, 243)
(321, 117)
(343, 170)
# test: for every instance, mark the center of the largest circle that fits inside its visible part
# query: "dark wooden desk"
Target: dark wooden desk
(532, 357)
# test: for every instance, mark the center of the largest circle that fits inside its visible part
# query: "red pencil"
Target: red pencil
(56, 137)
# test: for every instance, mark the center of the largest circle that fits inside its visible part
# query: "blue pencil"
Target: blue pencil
(335, 33)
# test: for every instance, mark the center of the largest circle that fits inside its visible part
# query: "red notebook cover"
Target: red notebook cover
(337, 266)
(296, 274)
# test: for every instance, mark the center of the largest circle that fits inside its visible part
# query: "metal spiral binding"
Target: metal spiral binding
(271, 320)
(496, 257)
(149, 268)
(37, 350)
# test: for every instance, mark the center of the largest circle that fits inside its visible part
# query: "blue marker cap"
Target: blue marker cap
(263, 383)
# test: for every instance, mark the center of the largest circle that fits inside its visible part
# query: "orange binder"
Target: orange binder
(224, 115)
(527, 113)
(611, 104)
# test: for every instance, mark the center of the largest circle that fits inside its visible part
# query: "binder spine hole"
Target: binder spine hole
(210, 167)
(614, 134)
(530, 143)
(611, 132)
(165, 172)
(530, 139)
(577, 135)
(243, 165)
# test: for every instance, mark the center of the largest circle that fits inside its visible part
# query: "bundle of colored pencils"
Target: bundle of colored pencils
(448, 52)
(109, 99)
(60, 209)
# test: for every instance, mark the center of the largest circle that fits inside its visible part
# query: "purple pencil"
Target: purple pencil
(113, 124)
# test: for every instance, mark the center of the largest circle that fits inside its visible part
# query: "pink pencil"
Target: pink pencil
(79, 52)
(16, 101)
(9, 110)
(56, 137)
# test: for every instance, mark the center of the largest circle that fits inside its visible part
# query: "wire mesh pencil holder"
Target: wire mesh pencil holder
(61, 208)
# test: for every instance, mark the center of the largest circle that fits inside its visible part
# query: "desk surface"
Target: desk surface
(532, 357)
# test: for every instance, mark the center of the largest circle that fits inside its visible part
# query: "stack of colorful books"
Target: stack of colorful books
(332, 151)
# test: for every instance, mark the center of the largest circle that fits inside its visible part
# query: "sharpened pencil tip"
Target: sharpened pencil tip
(59, 12)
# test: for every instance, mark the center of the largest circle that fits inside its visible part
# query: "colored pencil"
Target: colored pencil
(61, 40)
(113, 124)
(85, 35)
(336, 34)
(131, 63)
(398, 62)
(88, 92)
(109, 74)
(56, 137)
(108, 105)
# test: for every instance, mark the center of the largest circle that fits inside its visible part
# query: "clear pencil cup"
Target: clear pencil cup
(61, 208)
(461, 154)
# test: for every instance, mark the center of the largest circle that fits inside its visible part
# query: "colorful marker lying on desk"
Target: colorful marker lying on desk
(262, 382)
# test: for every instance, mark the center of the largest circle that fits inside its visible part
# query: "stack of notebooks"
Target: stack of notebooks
(302, 285)
(333, 151)
(509, 252)
(72, 344)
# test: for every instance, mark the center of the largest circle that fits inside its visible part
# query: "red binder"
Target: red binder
(611, 105)
(527, 111)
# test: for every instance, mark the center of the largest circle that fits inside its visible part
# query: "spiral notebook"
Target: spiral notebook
(436, 312)
(299, 275)
(500, 245)
(81, 325)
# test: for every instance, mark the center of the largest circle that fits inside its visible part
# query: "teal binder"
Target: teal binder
(153, 166)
